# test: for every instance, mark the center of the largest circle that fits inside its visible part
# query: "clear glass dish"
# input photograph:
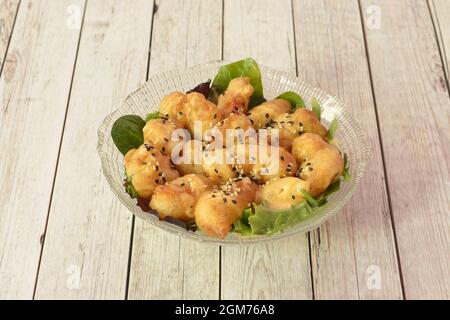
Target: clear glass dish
(349, 138)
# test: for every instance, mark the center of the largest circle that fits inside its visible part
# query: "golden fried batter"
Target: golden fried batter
(147, 167)
(236, 125)
(178, 198)
(265, 113)
(192, 158)
(173, 106)
(235, 99)
(293, 125)
(322, 168)
(216, 211)
(283, 193)
(158, 133)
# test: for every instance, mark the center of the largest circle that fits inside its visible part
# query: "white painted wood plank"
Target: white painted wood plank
(87, 243)
(8, 11)
(164, 266)
(441, 16)
(353, 254)
(263, 30)
(414, 107)
(34, 89)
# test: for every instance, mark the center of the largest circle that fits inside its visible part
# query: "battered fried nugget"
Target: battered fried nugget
(178, 198)
(283, 193)
(274, 167)
(322, 168)
(218, 166)
(191, 158)
(148, 167)
(237, 126)
(158, 133)
(198, 108)
(306, 145)
(216, 211)
(294, 124)
(236, 98)
(173, 106)
(260, 116)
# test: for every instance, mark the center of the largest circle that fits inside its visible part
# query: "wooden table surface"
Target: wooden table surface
(66, 64)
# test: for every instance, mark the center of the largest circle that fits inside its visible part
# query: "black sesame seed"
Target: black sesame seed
(234, 201)
(165, 139)
(310, 168)
(224, 200)
(160, 174)
(293, 197)
(215, 170)
(163, 149)
(282, 158)
(267, 116)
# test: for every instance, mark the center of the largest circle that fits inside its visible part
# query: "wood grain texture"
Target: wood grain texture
(280, 270)
(357, 246)
(33, 90)
(413, 106)
(163, 266)
(8, 11)
(88, 235)
(440, 10)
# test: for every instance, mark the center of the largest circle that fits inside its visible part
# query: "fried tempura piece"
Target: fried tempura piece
(322, 168)
(235, 99)
(262, 115)
(216, 211)
(283, 193)
(188, 108)
(178, 198)
(158, 133)
(216, 165)
(237, 126)
(192, 158)
(147, 167)
(173, 106)
(294, 124)
(306, 145)
(274, 167)
(200, 109)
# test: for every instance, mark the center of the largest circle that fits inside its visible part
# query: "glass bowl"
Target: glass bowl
(349, 138)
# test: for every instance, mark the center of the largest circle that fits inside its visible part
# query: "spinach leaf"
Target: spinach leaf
(294, 99)
(242, 68)
(332, 129)
(316, 108)
(127, 133)
(152, 115)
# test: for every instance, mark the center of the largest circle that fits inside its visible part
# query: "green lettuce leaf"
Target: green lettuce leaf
(316, 108)
(294, 99)
(332, 129)
(152, 115)
(346, 174)
(130, 188)
(242, 68)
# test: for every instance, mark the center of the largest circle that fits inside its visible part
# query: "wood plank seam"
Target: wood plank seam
(386, 184)
(313, 294)
(59, 151)
(133, 219)
(440, 41)
(9, 38)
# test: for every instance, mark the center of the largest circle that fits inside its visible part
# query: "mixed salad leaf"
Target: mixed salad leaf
(242, 68)
(316, 108)
(294, 99)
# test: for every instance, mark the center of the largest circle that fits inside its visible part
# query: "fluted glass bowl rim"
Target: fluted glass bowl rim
(140, 96)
